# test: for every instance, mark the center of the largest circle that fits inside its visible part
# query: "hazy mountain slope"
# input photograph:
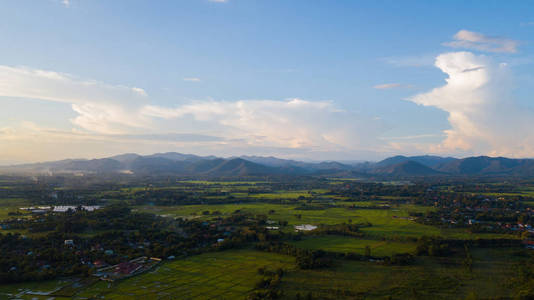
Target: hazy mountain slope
(406, 168)
(484, 165)
(427, 160)
(154, 165)
(180, 157)
(240, 167)
(192, 165)
(126, 158)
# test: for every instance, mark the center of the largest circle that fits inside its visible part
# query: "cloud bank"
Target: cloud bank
(484, 117)
(293, 123)
(101, 107)
(120, 114)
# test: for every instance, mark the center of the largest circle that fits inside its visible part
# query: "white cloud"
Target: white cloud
(109, 113)
(192, 79)
(293, 123)
(101, 107)
(66, 2)
(484, 117)
(140, 91)
(477, 41)
(413, 137)
(387, 86)
(218, 1)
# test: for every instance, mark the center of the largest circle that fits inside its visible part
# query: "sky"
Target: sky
(310, 80)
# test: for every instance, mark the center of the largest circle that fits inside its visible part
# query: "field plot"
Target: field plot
(219, 275)
(428, 278)
(345, 244)
(392, 222)
(215, 183)
(12, 205)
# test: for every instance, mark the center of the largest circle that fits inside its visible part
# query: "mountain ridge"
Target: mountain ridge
(193, 165)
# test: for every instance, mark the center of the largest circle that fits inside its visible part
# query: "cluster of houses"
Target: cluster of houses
(486, 214)
(59, 208)
(304, 227)
(125, 269)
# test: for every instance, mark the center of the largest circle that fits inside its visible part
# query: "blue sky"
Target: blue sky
(345, 80)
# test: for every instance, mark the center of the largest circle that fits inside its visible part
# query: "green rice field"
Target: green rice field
(346, 244)
(219, 275)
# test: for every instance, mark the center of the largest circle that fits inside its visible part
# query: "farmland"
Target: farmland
(223, 275)
(239, 240)
(233, 274)
(442, 279)
(344, 244)
(386, 223)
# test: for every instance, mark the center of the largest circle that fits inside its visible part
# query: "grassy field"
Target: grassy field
(219, 275)
(429, 278)
(345, 244)
(385, 222)
(232, 274)
(205, 182)
(11, 205)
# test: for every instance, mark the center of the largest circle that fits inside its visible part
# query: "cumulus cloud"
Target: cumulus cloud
(484, 117)
(117, 113)
(473, 40)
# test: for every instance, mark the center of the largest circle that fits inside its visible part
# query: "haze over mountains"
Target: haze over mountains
(212, 166)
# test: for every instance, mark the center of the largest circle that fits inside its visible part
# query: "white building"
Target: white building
(305, 227)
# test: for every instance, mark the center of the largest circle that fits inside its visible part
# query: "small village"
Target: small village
(125, 269)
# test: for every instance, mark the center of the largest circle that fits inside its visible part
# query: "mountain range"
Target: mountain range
(212, 166)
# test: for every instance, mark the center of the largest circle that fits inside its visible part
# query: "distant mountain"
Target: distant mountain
(427, 160)
(206, 166)
(294, 164)
(125, 158)
(240, 167)
(181, 157)
(272, 161)
(155, 165)
(406, 169)
(198, 166)
(484, 165)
